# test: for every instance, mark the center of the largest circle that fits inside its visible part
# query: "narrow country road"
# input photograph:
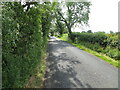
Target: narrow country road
(70, 67)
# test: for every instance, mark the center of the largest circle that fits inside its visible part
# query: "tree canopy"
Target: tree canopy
(77, 12)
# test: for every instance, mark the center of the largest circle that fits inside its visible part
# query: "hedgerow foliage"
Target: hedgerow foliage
(24, 39)
(100, 42)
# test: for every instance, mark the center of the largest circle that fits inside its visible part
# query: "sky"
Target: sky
(103, 16)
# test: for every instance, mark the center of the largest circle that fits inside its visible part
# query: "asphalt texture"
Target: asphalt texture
(70, 67)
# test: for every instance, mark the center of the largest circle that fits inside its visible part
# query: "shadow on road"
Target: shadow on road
(60, 68)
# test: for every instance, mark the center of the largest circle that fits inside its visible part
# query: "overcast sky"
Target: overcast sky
(103, 16)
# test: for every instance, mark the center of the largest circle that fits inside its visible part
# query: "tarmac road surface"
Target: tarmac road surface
(70, 67)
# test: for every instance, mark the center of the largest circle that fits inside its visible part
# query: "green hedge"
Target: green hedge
(100, 42)
(23, 42)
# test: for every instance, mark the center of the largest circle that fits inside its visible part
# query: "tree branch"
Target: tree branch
(28, 5)
(63, 18)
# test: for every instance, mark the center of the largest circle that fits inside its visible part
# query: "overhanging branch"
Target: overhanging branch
(63, 18)
(28, 5)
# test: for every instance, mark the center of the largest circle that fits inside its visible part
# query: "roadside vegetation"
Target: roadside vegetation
(24, 43)
(37, 79)
(26, 27)
(104, 46)
(25, 30)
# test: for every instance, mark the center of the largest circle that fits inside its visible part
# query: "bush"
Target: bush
(23, 42)
(90, 37)
(100, 42)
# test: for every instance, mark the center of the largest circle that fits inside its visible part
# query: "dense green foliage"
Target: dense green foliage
(108, 44)
(24, 40)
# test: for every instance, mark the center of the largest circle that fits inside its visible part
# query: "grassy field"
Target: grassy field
(100, 55)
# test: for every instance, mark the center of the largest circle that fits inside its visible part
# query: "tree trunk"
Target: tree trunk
(72, 37)
(69, 30)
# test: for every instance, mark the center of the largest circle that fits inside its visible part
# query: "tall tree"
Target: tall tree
(77, 12)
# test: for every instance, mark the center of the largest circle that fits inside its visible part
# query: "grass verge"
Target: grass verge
(115, 63)
(36, 80)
